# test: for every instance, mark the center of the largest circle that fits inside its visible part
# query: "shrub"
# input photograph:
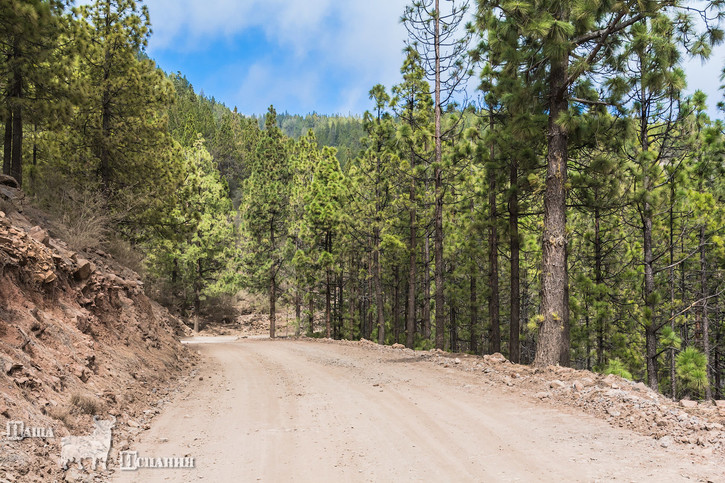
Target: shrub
(125, 254)
(85, 404)
(616, 367)
(80, 218)
(690, 365)
(62, 415)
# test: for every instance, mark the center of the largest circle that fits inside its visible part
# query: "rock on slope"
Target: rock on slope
(77, 337)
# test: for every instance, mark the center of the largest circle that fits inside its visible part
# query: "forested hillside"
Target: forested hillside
(570, 210)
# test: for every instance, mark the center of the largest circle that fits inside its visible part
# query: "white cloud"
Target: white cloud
(705, 76)
(264, 85)
(357, 40)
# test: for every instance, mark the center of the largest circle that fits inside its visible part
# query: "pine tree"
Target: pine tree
(197, 252)
(265, 214)
(432, 33)
(30, 34)
(568, 41)
(119, 136)
(322, 220)
(413, 105)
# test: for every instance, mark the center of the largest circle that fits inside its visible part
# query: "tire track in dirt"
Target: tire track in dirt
(289, 410)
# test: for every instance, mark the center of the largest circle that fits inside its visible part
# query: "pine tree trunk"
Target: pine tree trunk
(354, 297)
(197, 296)
(8, 144)
(33, 172)
(426, 288)
(438, 187)
(554, 302)
(440, 323)
(515, 242)
(454, 329)
(704, 316)
(272, 288)
(673, 368)
(338, 307)
(369, 312)
(298, 310)
(272, 307)
(104, 153)
(16, 164)
(598, 279)
(410, 314)
(493, 300)
(16, 168)
(589, 340)
(364, 295)
(648, 256)
(716, 361)
(473, 310)
(311, 313)
(327, 304)
(649, 288)
(396, 304)
(377, 275)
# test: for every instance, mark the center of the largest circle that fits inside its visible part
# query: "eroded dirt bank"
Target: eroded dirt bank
(78, 338)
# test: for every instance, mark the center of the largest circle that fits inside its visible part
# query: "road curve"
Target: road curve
(287, 410)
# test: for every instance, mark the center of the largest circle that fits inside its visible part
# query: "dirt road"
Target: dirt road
(289, 410)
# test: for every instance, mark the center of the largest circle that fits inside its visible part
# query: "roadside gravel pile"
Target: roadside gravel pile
(620, 402)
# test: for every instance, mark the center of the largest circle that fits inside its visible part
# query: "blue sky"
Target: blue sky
(303, 55)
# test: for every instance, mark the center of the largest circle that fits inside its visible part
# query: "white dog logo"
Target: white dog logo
(96, 446)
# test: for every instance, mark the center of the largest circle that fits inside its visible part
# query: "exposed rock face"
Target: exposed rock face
(73, 327)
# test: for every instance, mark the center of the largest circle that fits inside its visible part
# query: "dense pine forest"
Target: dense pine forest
(537, 183)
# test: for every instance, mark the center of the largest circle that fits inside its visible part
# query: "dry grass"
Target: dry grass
(62, 415)
(125, 254)
(80, 218)
(85, 404)
(84, 220)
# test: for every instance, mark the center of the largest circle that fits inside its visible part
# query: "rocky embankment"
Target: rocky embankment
(621, 402)
(78, 338)
(699, 425)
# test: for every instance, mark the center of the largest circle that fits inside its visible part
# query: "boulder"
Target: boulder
(613, 412)
(497, 357)
(84, 270)
(686, 403)
(12, 367)
(39, 235)
(10, 194)
(557, 384)
(6, 180)
(49, 276)
(641, 387)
